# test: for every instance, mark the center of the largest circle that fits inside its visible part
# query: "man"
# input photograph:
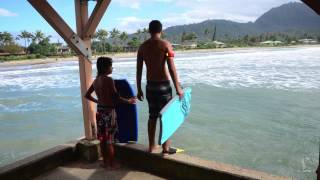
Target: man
(156, 53)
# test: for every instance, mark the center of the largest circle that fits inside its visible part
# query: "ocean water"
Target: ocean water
(254, 108)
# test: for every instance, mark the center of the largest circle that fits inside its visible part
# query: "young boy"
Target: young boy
(107, 98)
(156, 53)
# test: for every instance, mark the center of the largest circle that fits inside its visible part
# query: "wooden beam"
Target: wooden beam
(62, 28)
(313, 4)
(95, 18)
(81, 45)
(85, 70)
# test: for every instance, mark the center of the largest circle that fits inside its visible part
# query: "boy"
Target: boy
(107, 98)
(156, 53)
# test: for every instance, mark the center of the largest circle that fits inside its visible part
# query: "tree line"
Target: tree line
(38, 43)
(33, 43)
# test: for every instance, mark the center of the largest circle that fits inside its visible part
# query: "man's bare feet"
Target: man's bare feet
(152, 149)
(169, 151)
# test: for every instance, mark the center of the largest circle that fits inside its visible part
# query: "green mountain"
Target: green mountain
(294, 19)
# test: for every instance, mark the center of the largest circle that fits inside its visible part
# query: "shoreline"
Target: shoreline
(119, 56)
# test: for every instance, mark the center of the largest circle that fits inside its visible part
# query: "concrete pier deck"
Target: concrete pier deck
(64, 162)
(84, 171)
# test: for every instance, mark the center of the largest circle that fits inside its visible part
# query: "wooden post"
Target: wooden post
(313, 4)
(80, 43)
(85, 68)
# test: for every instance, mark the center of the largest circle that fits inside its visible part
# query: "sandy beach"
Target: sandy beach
(119, 56)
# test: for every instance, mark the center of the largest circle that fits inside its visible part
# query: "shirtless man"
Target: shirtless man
(156, 53)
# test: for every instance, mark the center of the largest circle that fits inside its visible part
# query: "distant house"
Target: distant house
(308, 41)
(293, 42)
(62, 49)
(271, 43)
(189, 45)
(219, 44)
(129, 49)
(175, 46)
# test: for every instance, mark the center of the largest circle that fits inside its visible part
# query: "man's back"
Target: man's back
(153, 53)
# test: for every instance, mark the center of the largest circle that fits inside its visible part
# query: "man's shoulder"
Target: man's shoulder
(166, 43)
(143, 45)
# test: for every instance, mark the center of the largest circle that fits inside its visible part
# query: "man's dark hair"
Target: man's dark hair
(155, 26)
(102, 64)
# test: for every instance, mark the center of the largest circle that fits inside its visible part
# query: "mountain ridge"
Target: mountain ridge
(293, 18)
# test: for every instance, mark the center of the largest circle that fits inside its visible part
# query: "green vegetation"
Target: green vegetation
(38, 45)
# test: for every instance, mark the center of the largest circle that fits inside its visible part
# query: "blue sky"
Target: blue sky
(130, 15)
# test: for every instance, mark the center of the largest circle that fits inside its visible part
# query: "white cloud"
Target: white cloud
(133, 4)
(240, 11)
(131, 24)
(163, 1)
(200, 10)
(136, 4)
(7, 13)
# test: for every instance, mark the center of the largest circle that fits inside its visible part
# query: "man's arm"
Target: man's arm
(139, 75)
(173, 72)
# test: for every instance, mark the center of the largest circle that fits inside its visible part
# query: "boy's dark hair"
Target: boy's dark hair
(155, 26)
(102, 64)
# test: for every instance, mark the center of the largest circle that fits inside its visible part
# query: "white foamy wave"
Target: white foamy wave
(3, 107)
(283, 68)
(23, 107)
(53, 69)
(40, 77)
(289, 69)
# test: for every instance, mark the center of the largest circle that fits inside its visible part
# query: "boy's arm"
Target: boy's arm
(89, 96)
(173, 71)
(139, 75)
(117, 97)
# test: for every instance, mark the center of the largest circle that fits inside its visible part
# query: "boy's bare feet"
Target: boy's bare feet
(115, 166)
(103, 165)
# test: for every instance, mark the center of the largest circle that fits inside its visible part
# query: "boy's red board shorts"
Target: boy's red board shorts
(105, 127)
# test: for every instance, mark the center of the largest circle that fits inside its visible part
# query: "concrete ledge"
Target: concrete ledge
(182, 166)
(39, 163)
(88, 150)
(178, 166)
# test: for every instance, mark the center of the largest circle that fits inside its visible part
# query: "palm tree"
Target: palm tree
(102, 36)
(38, 36)
(5, 38)
(114, 34)
(123, 37)
(183, 36)
(26, 36)
(145, 33)
(139, 31)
